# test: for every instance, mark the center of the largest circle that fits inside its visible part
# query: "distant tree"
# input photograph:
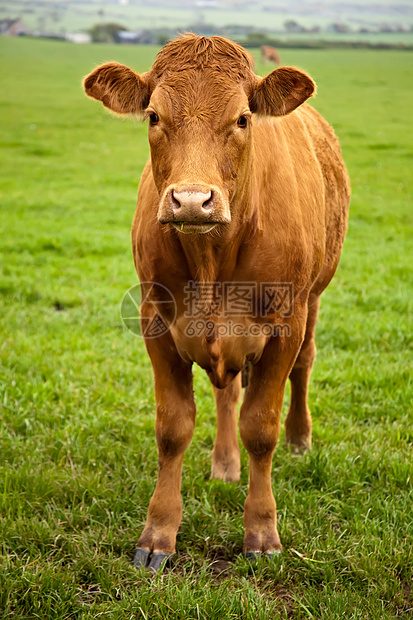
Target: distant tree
(256, 39)
(105, 33)
(162, 38)
(386, 28)
(292, 26)
(340, 28)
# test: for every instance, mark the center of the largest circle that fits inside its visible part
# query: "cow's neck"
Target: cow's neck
(213, 257)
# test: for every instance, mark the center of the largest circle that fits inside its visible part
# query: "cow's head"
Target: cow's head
(199, 98)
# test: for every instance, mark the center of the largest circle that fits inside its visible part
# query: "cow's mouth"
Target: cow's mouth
(194, 227)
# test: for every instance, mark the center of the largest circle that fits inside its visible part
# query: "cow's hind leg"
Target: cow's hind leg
(226, 453)
(298, 422)
(175, 421)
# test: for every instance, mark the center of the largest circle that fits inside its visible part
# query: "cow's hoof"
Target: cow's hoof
(153, 562)
(299, 445)
(159, 560)
(227, 473)
(252, 556)
(228, 470)
(141, 556)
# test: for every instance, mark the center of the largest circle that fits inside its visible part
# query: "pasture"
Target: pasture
(77, 447)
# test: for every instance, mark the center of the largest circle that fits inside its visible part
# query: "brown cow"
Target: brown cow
(241, 217)
(270, 54)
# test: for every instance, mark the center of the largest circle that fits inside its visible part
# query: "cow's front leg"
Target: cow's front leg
(175, 421)
(259, 428)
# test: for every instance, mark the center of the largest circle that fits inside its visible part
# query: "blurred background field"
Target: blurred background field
(77, 446)
(366, 21)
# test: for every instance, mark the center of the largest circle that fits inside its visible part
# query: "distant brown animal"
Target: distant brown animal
(239, 226)
(270, 54)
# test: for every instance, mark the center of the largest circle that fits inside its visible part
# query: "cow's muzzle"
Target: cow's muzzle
(194, 208)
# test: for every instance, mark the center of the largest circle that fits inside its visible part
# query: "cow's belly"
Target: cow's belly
(220, 346)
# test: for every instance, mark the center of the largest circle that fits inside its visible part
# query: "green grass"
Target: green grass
(77, 447)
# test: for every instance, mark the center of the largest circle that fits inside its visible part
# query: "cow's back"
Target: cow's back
(303, 186)
(337, 190)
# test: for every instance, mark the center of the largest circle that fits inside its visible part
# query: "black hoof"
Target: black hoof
(156, 561)
(252, 556)
(159, 559)
(141, 557)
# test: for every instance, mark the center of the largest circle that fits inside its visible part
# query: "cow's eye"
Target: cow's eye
(242, 122)
(153, 118)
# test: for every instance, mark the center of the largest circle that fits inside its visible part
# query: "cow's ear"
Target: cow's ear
(119, 88)
(281, 92)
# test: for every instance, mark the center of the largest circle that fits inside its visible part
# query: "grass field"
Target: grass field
(77, 446)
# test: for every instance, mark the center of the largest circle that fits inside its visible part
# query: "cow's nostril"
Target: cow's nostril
(209, 203)
(175, 204)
